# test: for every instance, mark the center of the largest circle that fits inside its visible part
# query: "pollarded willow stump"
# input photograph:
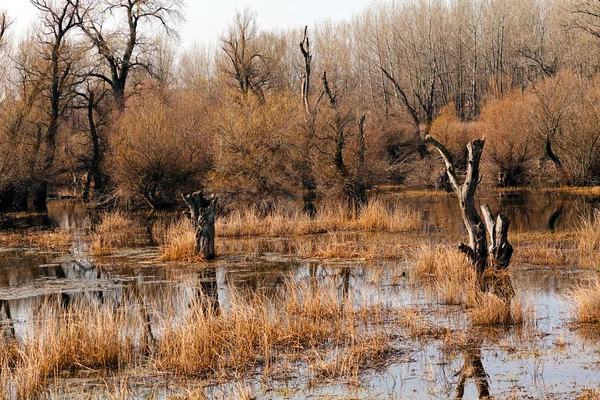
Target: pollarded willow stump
(203, 212)
(496, 252)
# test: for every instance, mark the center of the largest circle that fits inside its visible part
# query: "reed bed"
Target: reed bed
(46, 240)
(376, 216)
(116, 230)
(452, 280)
(310, 326)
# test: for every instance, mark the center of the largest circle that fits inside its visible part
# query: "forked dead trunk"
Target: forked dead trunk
(499, 252)
(203, 212)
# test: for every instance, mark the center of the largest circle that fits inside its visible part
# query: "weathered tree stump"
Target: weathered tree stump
(203, 211)
(499, 252)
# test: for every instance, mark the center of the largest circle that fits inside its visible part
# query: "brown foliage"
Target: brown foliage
(161, 148)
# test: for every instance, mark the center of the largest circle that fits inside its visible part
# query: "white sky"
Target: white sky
(205, 19)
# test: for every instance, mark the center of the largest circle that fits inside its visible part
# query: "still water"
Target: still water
(551, 358)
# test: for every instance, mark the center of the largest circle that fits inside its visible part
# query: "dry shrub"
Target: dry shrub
(116, 230)
(161, 148)
(586, 301)
(588, 240)
(513, 145)
(256, 163)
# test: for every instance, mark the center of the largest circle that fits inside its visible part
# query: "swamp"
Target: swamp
(358, 307)
(355, 199)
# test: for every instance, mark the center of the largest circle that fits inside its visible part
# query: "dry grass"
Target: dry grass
(178, 240)
(55, 240)
(377, 215)
(252, 334)
(307, 323)
(116, 230)
(588, 240)
(585, 299)
(453, 281)
(447, 272)
(79, 338)
(492, 310)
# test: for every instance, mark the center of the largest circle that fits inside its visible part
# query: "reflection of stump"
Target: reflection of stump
(473, 368)
(203, 217)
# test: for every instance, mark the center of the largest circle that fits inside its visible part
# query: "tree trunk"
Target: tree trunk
(499, 252)
(203, 211)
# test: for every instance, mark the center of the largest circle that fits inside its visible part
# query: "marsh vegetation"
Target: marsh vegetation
(402, 205)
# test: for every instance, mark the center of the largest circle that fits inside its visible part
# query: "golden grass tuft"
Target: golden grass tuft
(585, 300)
(492, 310)
(116, 230)
(588, 240)
(447, 271)
(179, 241)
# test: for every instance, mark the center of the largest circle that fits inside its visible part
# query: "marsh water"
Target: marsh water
(548, 358)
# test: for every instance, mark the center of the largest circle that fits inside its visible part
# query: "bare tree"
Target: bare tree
(5, 23)
(499, 252)
(127, 48)
(56, 73)
(307, 177)
(249, 62)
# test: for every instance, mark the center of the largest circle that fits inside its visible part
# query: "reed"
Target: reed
(116, 230)
(377, 215)
(588, 240)
(585, 300)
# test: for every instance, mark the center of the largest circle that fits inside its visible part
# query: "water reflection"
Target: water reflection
(473, 368)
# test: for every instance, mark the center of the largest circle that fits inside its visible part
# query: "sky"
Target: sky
(205, 19)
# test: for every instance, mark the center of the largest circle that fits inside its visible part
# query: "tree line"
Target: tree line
(98, 100)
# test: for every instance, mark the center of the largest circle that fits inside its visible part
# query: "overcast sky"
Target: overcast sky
(205, 19)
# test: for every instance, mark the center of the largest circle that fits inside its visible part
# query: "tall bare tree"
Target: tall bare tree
(127, 46)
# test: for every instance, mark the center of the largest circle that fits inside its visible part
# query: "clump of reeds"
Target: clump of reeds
(178, 240)
(453, 281)
(493, 310)
(588, 240)
(80, 337)
(586, 301)
(116, 230)
(448, 273)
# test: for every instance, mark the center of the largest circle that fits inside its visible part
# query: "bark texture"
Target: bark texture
(203, 211)
(482, 253)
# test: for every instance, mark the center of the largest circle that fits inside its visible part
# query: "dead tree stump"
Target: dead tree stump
(203, 211)
(481, 255)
